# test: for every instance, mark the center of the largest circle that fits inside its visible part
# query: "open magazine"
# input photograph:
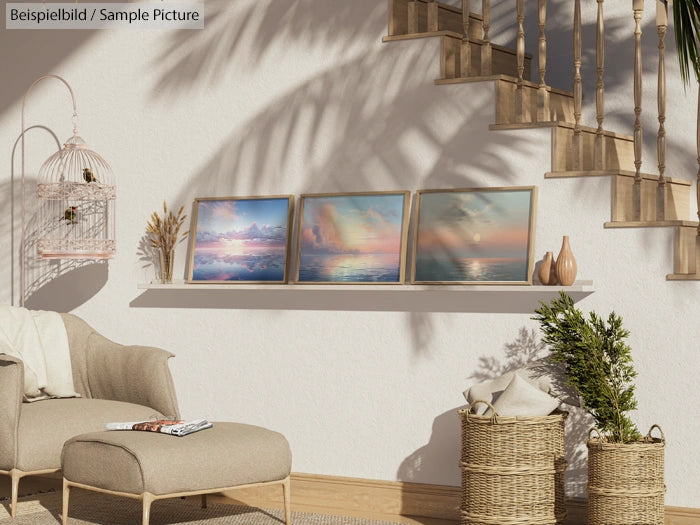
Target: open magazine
(165, 426)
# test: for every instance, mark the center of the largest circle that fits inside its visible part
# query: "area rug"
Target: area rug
(92, 508)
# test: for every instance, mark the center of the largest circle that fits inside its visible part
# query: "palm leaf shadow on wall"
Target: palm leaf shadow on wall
(343, 129)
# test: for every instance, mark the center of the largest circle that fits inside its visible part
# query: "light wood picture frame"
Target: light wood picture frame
(352, 238)
(235, 240)
(474, 236)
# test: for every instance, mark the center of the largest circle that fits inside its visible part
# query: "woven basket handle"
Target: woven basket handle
(649, 438)
(494, 414)
(601, 438)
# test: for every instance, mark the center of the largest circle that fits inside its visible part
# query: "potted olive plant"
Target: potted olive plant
(625, 470)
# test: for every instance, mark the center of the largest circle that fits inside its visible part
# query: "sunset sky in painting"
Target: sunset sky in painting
(475, 224)
(242, 226)
(357, 224)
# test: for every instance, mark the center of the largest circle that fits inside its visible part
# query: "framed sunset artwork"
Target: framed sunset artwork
(474, 236)
(240, 239)
(352, 238)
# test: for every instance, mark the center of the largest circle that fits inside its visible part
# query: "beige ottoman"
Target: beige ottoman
(150, 466)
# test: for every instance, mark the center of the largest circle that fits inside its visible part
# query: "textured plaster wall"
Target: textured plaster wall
(301, 96)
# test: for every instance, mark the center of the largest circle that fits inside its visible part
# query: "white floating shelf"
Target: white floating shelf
(578, 286)
(479, 298)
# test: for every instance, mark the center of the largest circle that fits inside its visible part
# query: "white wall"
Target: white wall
(302, 96)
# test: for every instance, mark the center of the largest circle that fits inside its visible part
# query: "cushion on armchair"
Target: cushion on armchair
(46, 425)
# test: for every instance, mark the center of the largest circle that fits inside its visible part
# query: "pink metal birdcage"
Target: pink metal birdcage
(76, 193)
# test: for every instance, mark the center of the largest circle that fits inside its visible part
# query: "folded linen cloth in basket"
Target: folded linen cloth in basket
(541, 374)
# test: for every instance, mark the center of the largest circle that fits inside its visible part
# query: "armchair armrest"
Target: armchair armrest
(134, 374)
(11, 392)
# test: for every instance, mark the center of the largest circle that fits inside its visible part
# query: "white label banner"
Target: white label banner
(73, 15)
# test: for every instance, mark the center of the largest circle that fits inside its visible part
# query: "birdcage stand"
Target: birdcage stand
(76, 191)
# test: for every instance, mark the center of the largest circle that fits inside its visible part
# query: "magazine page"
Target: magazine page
(164, 426)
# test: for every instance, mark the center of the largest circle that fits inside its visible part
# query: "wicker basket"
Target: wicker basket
(512, 469)
(626, 481)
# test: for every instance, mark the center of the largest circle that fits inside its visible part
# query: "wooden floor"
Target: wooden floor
(576, 508)
(36, 484)
(368, 515)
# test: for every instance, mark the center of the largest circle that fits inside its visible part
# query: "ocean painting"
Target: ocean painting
(352, 238)
(474, 236)
(240, 240)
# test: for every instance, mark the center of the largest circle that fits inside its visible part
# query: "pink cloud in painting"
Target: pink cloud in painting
(331, 228)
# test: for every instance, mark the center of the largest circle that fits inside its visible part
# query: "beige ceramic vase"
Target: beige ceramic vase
(547, 272)
(566, 264)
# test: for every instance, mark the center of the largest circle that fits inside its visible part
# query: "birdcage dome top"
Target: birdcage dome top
(76, 162)
(77, 172)
(75, 142)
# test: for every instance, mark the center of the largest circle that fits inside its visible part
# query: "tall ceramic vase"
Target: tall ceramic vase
(566, 264)
(547, 272)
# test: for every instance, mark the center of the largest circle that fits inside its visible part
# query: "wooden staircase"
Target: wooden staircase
(521, 103)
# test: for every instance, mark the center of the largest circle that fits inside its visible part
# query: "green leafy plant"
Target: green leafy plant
(597, 361)
(686, 28)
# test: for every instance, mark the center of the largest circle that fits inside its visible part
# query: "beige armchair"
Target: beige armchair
(116, 383)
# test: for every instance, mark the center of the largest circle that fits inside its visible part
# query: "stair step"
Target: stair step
(560, 106)
(650, 224)
(677, 197)
(683, 277)
(686, 254)
(410, 20)
(686, 250)
(423, 34)
(561, 103)
(504, 60)
(448, 18)
(618, 149)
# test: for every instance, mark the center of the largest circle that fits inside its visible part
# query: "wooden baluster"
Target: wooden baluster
(599, 149)
(661, 25)
(520, 55)
(433, 16)
(466, 51)
(486, 44)
(542, 93)
(638, 8)
(577, 147)
(412, 16)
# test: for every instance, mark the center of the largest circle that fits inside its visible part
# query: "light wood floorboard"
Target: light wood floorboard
(351, 506)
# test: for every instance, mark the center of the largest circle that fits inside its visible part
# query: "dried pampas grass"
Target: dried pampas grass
(163, 234)
(163, 231)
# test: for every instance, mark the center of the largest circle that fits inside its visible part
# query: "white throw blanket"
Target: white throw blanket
(40, 340)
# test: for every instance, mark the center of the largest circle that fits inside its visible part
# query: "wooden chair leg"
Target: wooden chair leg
(204, 501)
(287, 501)
(15, 476)
(66, 495)
(147, 498)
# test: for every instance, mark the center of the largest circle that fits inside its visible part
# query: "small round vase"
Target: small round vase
(547, 272)
(566, 264)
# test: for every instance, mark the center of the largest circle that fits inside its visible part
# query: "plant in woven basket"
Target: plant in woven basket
(163, 234)
(597, 361)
